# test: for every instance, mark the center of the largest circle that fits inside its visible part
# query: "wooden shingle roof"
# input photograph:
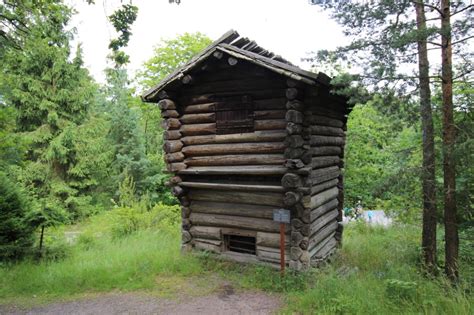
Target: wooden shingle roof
(239, 47)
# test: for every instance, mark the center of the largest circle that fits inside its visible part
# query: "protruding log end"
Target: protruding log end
(187, 79)
(218, 54)
(232, 61)
(166, 104)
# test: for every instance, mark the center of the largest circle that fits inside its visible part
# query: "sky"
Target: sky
(290, 28)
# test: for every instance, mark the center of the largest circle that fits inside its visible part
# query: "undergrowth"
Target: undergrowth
(377, 270)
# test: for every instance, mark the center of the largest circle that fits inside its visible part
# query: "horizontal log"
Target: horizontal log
(207, 247)
(294, 129)
(253, 198)
(166, 104)
(326, 150)
(265, 170)
(291, 198)
(171, 124)
(233, 209)
(323, 233)
(323, 197)
(321, 245)
(200, 108)
(174, 157)
(323, 220)
(327, 131)
(240, 257)
(198, 118)
(265, 104)
(291, 180)
(257, 136)
(325, 121)
(212, 97)
(233, 187)
(274, 124)
(172, 146)
(324, 252)
(270, 240)
(295, 104)
(255, 224)
(326, 140)
(169, 114)
(208, 232)
(269, 114)
(234, 148)
(233, 86)
(243, 159)
(271, 256)
(271, 103)
(175, 167)
(209, 241)
(320, 175)
(323, 161)
(322, 209)
(324, 185)
(172, 135)
(198, 129)
(294, 116)
(295, 141)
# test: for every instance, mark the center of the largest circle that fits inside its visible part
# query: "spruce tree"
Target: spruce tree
(52, 96)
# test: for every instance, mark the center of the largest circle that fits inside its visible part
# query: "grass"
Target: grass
(376, 272)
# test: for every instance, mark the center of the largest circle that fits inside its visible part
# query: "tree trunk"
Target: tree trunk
(41, 239)
(428, 242)
(449, 135)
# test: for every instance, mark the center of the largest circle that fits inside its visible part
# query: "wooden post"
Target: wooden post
(282, 248)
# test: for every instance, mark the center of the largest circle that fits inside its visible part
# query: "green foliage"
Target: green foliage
(122, 19)
(374, 273)
(16, 230)
(169, 55)
(382, 162)
(51, 95)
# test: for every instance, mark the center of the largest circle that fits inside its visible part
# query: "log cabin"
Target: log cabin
(247, 132)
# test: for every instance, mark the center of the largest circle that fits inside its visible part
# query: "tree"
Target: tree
(385, 33)
(428, 238)
(52, 96)
(169, 55)
(16, 230)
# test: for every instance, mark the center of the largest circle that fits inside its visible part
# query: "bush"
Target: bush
(16, 230)
(128, 220)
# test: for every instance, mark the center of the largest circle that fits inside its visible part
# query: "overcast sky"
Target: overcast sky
(290, 28)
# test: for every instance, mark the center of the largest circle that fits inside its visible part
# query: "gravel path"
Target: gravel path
(226, 301)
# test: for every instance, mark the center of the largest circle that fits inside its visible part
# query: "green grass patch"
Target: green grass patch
(376, 272)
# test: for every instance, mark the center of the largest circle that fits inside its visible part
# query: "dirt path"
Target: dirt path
(225, 301)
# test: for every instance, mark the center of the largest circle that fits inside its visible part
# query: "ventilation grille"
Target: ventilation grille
(240, 244)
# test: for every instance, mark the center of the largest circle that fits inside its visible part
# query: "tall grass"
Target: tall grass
(376, 272)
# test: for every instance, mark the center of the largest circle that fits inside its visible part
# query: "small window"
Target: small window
(234, 115)
(240, 244)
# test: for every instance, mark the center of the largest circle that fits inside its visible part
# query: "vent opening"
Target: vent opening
(240, 244)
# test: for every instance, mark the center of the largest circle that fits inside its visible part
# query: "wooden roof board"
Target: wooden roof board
(254, 54)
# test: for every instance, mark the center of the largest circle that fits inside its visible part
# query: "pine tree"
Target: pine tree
(52, 96)
(16, 230)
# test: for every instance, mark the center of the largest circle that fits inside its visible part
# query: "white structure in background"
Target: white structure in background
(376, 217)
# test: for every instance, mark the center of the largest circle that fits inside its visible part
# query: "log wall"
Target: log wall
(229, 184)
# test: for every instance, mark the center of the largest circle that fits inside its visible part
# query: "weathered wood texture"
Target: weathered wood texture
(236, 159)
(218, 220)
(234, 209)
(253, 198)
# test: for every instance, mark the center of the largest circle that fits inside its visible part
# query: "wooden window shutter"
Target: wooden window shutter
(234, 115)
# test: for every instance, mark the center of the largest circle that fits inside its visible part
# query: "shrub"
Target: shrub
(128, 220)
(16, 230)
